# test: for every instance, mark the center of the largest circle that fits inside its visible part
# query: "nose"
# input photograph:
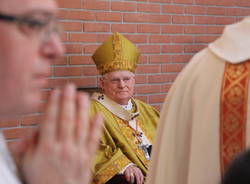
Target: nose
(52, 48)
(121, 84)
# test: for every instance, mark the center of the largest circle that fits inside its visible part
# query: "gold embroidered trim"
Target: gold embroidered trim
(114, 168)
(132, 140)
(233, 111)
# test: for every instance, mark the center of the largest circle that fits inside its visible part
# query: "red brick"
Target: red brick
(143, 59)
(225, 20)
(123, 6)
(16, 133)
(153, 8)
(193, 48)
(157, 98)
(103, 37)
(181, 58)
(72, 26)
(148, 28)
(161, 78)
(204, 39)
(82, 37)
(243, 3)
(150, 49)
(108, 16)
(69, 4)
(79, 60)
(31, 120)
(183, 1)
(172, 48)
(96, 5)
(61, 61)
(181, 19)
(131, 17)
(172, 67)
(143, 89)
(124, 28)
(137, 38)
(147, 18)
(173, 9)
(96, 27)
(90, 49)
(237, 11)
(84, 82)
(159, 39)
(141, 79)
(68, 71)
(64, 37)
(142, 98)
(216, 11)
(9, 123)
(165, 88)
(215, 2)
(182, 39)
(148, 69)
(76, 15)
(58, 82)
(73, 48)
(90, 70)
(172, 29)
(205, 20)
(195, 29)
(157, 1)
(159, 19)
(195, 10)
(215, 29)
(160, 59)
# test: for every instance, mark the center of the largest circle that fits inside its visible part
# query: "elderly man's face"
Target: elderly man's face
(26, 50)
(119, 86)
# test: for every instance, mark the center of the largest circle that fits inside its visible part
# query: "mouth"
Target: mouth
(41, 80)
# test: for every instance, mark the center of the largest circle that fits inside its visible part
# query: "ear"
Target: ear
(102, 83)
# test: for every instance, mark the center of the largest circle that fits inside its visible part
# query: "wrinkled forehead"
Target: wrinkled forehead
(120, 73)
(24, 6)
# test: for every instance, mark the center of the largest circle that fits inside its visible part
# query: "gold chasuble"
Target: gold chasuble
(119, 145)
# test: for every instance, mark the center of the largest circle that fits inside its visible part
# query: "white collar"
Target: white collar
(233, 45)
(116, 108)
(129, 106)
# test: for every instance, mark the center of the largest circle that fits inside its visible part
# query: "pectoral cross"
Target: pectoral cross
(143, 147)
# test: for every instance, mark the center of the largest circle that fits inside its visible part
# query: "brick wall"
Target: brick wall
(167, 32)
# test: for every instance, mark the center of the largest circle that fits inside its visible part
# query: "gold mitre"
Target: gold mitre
(117, 53)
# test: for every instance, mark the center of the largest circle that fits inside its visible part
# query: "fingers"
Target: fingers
(49, 123)
(82, 118)
(67, 114)
(133, 174)
(127, 175)
(94, 133)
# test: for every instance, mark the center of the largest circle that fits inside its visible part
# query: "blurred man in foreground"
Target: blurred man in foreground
(61, 151)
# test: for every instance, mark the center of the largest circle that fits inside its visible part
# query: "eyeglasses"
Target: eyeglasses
(126, 80)
(40, 26)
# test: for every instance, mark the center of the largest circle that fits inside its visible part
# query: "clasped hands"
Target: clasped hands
(63, 148)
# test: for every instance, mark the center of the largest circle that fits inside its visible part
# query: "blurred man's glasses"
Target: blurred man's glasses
(34, 26)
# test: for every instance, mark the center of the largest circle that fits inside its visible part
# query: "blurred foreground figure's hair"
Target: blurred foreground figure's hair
(239, 170)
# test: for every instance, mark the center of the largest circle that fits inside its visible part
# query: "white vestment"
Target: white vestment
(186, 150)
(8, 172)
